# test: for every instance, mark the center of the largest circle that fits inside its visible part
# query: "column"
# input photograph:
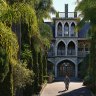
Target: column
(66, 50)
(55, 50)
(56, 30)
(62, 30)
(55, 70)
(76, 49)
(69, 30)
(76, 70)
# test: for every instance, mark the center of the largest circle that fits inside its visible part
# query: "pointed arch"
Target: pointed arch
(61, 48)
(59, 29)
(66, 67)
(71, 48)
(72, 32)
(66, 29)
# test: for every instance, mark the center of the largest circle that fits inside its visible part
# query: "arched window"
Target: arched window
(66, 29)
(59, 29)
(61, 48)
(71, 48)
(72, 29)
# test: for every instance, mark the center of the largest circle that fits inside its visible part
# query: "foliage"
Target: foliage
(86, 7)
(22, 75)
(40, 68)
(46, 34)
(43, 8)
(6, 87)
(8, 40)
(84, 65)
(30, 13)
(88, 11)
(26, 54)
(4, 64)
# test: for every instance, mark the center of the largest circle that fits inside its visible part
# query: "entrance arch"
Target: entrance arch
(66, 67)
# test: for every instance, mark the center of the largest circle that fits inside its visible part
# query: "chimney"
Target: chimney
(66, 10)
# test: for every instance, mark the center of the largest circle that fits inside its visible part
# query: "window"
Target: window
(66, 29)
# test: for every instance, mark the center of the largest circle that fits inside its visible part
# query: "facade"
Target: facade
(68, 47)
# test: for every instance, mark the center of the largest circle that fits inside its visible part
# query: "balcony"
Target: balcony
(83, 53)
(71, 52)
(59, 34)
(68, 15)
(61, 52)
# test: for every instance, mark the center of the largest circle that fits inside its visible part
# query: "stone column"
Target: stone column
(69, 30)
(76, 70)
(76, 49)
(55, 70)
(55, 50)
(66, 50)
(56, 30)
(62, 30)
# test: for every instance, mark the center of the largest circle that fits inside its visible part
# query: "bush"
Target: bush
(22, 76)
(88, 81)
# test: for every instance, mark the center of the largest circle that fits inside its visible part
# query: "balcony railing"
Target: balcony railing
(60, 52)
(83, 53)
(71, 52)
(59, 34)
(68, 15)
(73, 35)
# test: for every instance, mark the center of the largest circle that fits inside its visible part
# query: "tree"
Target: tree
(88, 11)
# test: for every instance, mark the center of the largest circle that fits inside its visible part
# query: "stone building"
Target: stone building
(68, 47)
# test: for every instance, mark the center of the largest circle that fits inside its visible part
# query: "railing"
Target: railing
(73, 35)
(71, 52)
(68, 15)
(59, 34)
(83, 53)
(60, 52)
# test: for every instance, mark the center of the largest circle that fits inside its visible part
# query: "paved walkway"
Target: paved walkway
(57, 89)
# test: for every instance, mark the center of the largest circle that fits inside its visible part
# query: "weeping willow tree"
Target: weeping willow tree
(9, 45)
(46, 35)
(9, 48)
(29, 13)
(88, 11)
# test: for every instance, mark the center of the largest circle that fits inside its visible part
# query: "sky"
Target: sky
(59, 5)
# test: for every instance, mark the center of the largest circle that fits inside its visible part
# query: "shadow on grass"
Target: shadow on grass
(78, 92)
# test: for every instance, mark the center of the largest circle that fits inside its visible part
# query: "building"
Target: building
(68, 47)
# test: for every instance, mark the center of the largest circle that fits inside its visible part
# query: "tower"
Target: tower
(63, 57)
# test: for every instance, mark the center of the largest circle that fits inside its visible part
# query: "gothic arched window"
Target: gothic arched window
(71, 48)
(72, 29)
(61, 48)
(66, 29)
(59, 29)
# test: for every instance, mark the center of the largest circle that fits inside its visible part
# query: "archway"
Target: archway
(72, 29)
(71, 48)
(66, 29)
(61, 48)
(66, 67)
(59, 29)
